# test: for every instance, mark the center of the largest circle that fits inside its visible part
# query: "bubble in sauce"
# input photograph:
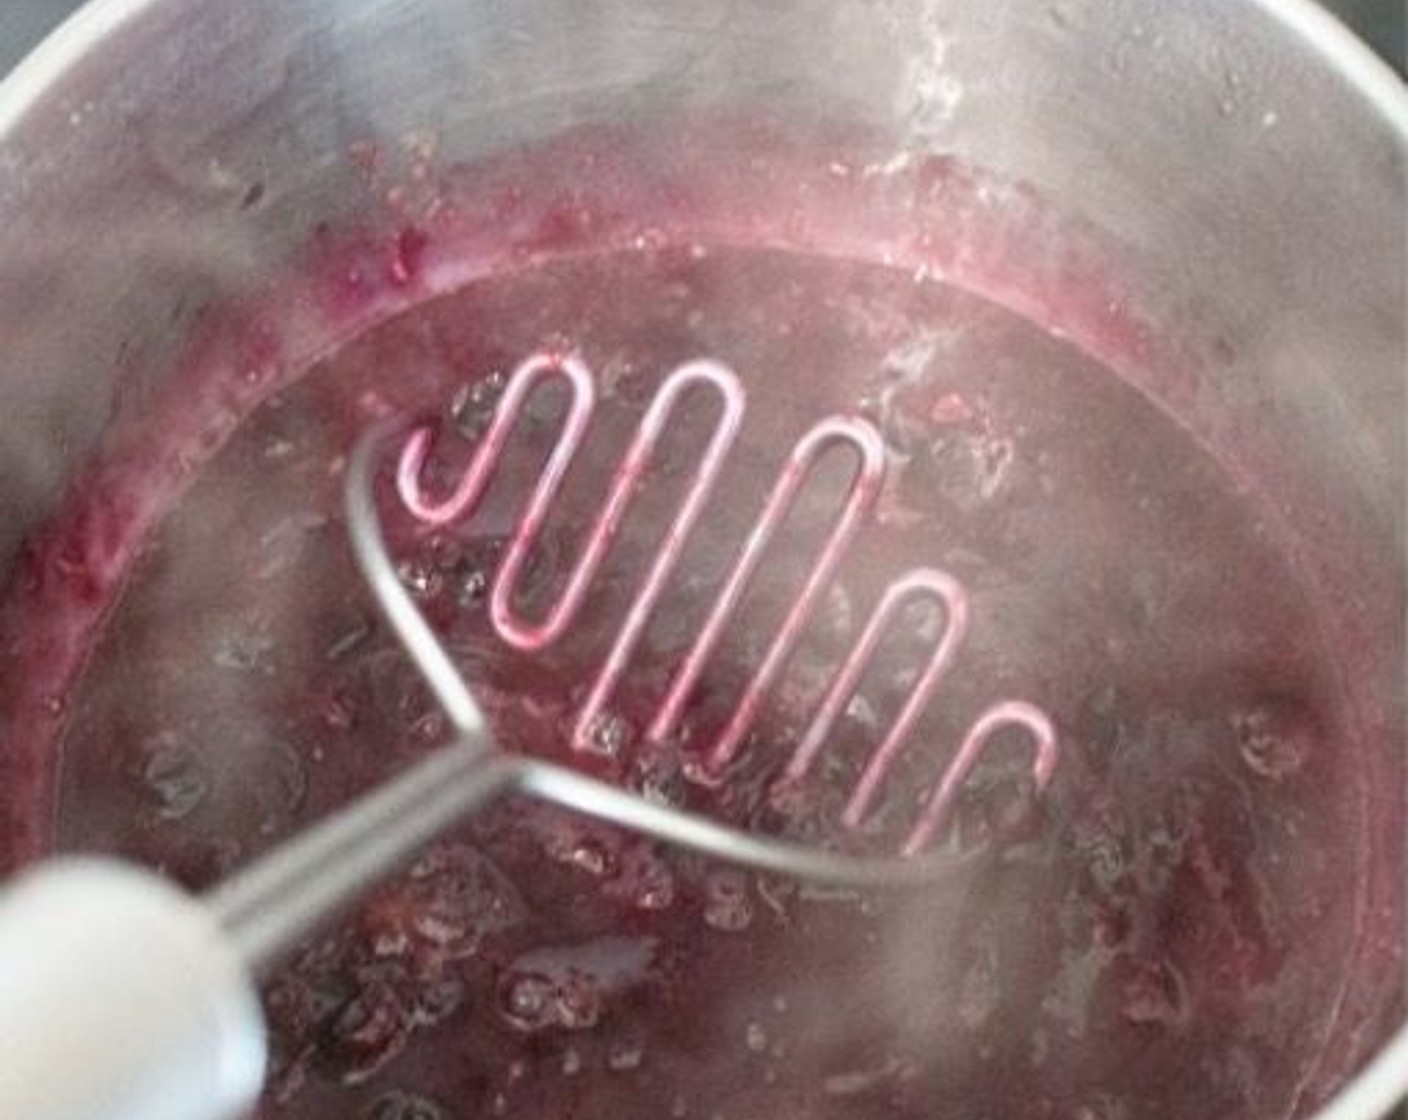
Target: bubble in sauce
(529, 1002)
(472, 588)
(727, 906)
(590, 857)
(175, 779)
(420, 577)
(533, 1002)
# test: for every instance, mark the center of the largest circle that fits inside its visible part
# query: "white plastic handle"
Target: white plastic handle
(121, 999)
(1375, 1089)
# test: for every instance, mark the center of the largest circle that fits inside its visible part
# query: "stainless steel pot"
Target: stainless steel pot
(1250, 157)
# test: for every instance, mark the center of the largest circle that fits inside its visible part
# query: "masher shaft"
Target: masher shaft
(268, 906)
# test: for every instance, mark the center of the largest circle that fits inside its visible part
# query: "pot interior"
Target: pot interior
(1134, 486)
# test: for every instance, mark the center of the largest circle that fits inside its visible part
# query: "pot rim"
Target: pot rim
(1372, 78)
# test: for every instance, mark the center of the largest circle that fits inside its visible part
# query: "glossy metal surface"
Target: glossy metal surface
(1250, 154)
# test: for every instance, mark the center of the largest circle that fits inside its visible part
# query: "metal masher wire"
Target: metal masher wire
(282, 896)
(848, 434)
(267, 907)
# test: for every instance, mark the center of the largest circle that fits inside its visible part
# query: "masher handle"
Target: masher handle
(121, 997)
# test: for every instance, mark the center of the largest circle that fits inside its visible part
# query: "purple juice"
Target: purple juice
(1166, 933)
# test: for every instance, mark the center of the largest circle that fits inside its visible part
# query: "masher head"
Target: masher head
(913, 858)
